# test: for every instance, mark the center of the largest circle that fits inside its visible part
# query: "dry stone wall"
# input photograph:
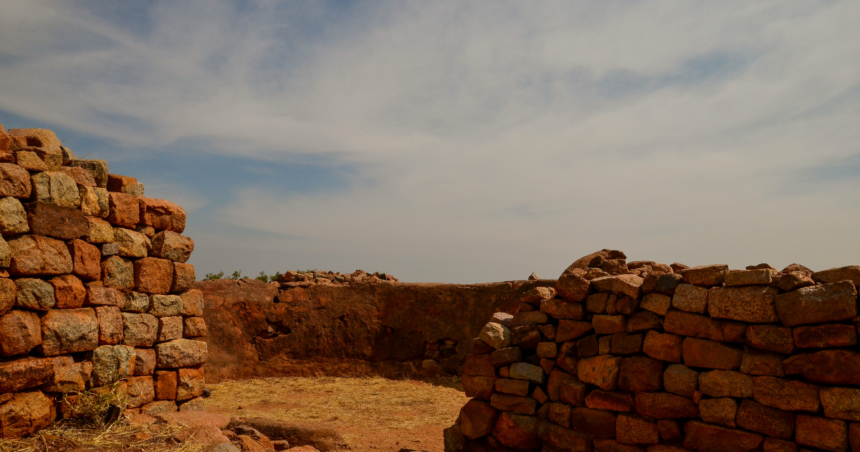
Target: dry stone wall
(645, 356)
(95, 291)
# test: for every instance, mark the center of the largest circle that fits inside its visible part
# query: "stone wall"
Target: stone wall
(358, 327)
(644, 356)
(94, 288)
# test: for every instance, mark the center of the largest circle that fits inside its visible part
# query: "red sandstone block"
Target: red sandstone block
(665, 347)
(705, 275)
(153, 275)
(703, 327)
(680, 379)
(720, 411)
(601, 371)
(20, 332)
(837, 367)
(110, 325)
(787, 395)
(598, 423)
(191, 383)
(640, 373)
(662, 405)
(763, 419)
(823, 433)
(825, 336)
(124, 210)
(778, 445)
(824, 303)
(34, 255)
(166, 383)
(58, 222)
(505, 386)
(610, 400)
(756, 362)
(726, 383)
(771, 338)
(750, 304)
(69, 292)
(161, 214)
(711, 354)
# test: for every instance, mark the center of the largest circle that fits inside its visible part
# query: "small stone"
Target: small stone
(194, 327)
(14, 181)
(690, 298)
(20, 332)
(198, 404)
(786, 395)
(670, 430)
(529, 372)
(663, 346)
(509, 386)
(159, 406)
(177, 248)
(13, 217)
(823, 433)
(8, 294)
(624, 344)
(35, 294)
(726, 383)
(526, 336)
(680, 379)
(181, 353)
(34, 255)
(153, 275)
(700, 326)
(596, 303)
(719, 411)
(587, 346)
(502, 318)
(559, 413)
(547, 349)
(705, 275)
(162, 214)
(479, 365)
(111, 363)
(99, 231)
(166, 384)
(191, 383)
(656, 303)
(95, 202)
(86, 260)
(118, 273)
(825, 303)
(514, 404)
(795, 280)
(139, 330)
(604, 344)
(69, 378)
(763, 419)
(30, 161)
(601, 371)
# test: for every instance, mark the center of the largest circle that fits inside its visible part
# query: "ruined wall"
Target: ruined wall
(350, 328)
(94, 288)
(620, 357)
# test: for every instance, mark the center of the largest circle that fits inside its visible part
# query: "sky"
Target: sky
(461, 142)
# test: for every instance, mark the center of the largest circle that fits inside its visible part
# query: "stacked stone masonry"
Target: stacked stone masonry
(642, 356)
(95, 291)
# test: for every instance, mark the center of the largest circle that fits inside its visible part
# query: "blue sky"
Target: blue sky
(461, 141)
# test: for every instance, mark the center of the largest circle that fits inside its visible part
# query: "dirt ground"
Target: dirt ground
(372, 414)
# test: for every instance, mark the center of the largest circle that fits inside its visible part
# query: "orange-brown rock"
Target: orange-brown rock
(58, 222)
(680, 379)
(20, 332)
(608, 324)
(849, 273)
(786, 395)
(571, 329)
(619, 285)
(757, 362)
(169, 328)
(183, 277)
(69, 292)
(825, 336)
(726, 383)
(711, 438)
(192, 303)
(625, 344)
(482, 387)
(720, 411)
(139, 330)
(663, 346)
(477, 419)
(99, 295)
(597, 423)
(562, 309)
(824, 303)
(517, 431)
(703, 327)
(764, 419)
(841, 403)
(837, 367)
(610, 445)
(162, 214)
(563, 438)
(180, 353)
(662, 405)
(34, 255)
(639, 374)
(193, 327)
(86, 259)
(98, 169)
(750, 304)
(118, 273)
(771, 338)
(670, 430)
(110, 325)
(69, 377)
(153, 275)
(601, 371)
(172, 246)
(25, 373)
(823, 433)
(634, 429)
(144, 362)
(69, 331)
(166, 384)
(644, 321)
(191, 383)
(79, 175)
(158, 407)
(26, 413)
(14, 181)
(572, 286)
(124, 210)
(124, 184)
(480, 365)
(711, 354)
(140, 391)
(609, 400)
(8, 295)
(705, 275)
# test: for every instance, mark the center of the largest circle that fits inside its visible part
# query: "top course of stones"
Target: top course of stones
(95, 291)
(617, 356)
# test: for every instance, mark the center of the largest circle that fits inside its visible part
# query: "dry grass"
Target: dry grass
(119, 436)
(369, 404)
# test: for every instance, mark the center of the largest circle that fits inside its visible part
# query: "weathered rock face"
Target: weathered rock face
(363, 328)
(34, 255)
(26, 413)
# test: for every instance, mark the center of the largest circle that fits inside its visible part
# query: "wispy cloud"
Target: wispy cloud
(470, 141)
